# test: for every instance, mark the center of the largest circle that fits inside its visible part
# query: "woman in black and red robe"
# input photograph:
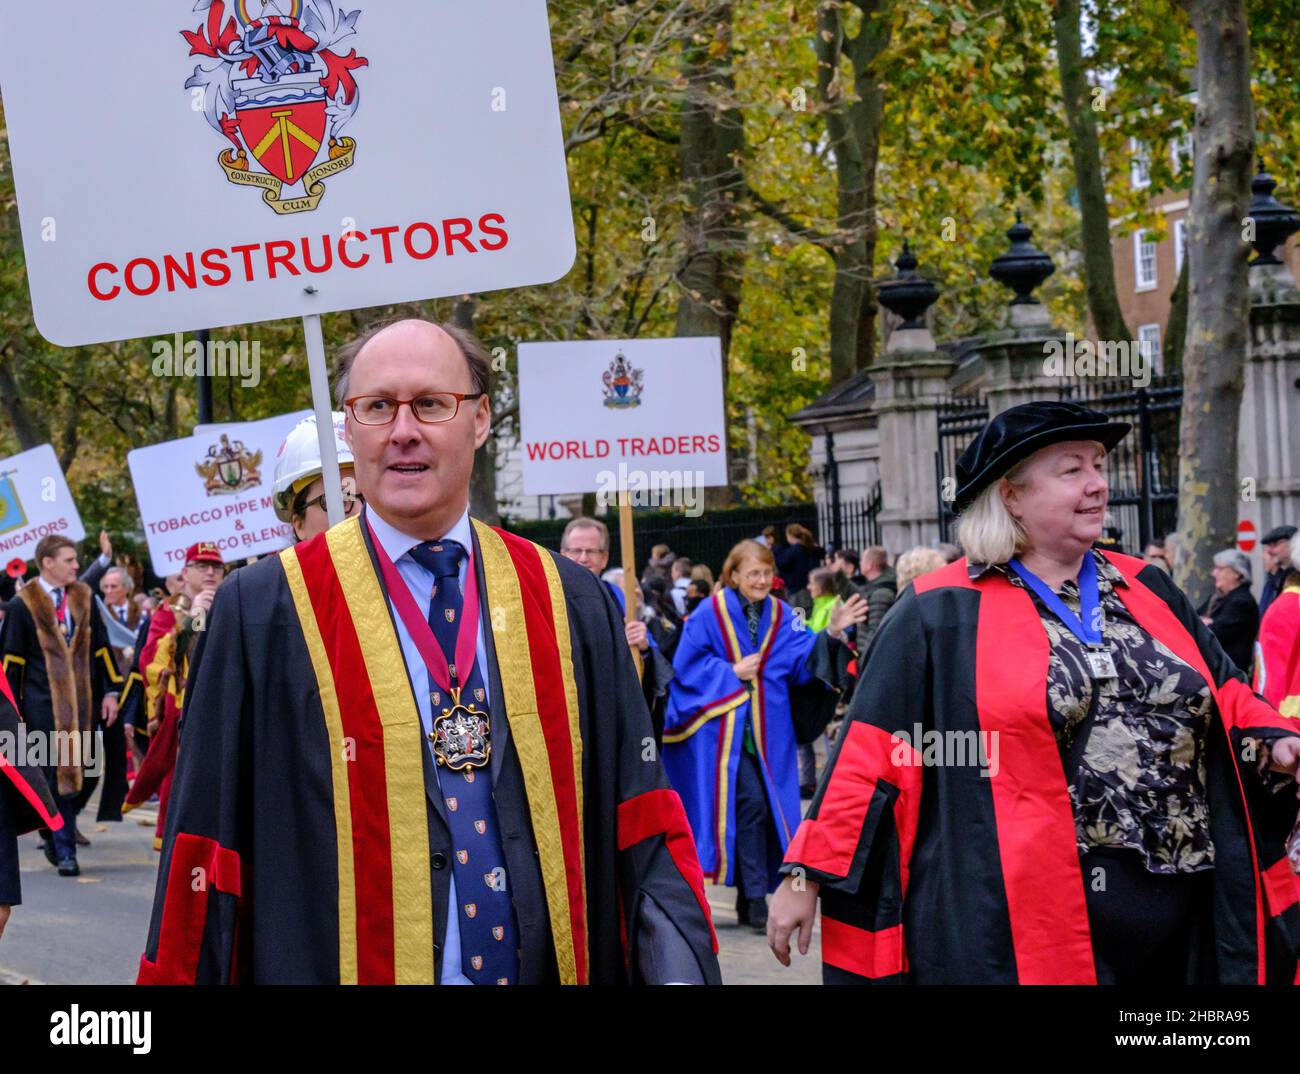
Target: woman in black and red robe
(1050, 772)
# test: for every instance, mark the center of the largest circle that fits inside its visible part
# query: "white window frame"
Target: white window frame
(1151, 333)
(1180, 243)
(1141, 284)
(1180, 152)
(1139, 165)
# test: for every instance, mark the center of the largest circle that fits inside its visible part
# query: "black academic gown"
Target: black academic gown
(25, 799)
(254, 799)
(935, 868)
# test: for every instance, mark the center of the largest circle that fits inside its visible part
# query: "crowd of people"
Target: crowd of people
(793, 701)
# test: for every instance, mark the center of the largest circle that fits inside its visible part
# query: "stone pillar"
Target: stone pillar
(910, 383)
(1268, 436)
(1015, 359)
(1269, 433)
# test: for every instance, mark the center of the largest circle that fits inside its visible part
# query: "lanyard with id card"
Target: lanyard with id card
(1101, 665)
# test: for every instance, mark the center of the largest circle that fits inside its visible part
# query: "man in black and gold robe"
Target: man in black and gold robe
(328, 829)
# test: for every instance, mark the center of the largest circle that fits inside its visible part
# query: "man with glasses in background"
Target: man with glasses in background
(422, 739)
(586, 542)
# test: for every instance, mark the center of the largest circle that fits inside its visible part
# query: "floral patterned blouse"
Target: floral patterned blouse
(1140, 783)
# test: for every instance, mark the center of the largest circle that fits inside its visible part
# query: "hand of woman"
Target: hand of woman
(851, 612)
(1285, 753)
(4, 918)
(791, 910)
(746, 667)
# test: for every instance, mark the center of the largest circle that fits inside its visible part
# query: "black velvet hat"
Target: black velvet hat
(1015, 434)
(1278, 533)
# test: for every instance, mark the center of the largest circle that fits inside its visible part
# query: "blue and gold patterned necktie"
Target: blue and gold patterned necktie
(489, 934)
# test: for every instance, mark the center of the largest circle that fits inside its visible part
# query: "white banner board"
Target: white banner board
(213, 486)
(34, 503)
(183, 165)
(646, 413)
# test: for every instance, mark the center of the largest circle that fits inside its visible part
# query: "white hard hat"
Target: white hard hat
(297, 463)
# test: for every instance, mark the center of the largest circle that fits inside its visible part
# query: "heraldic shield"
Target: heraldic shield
(283, 135)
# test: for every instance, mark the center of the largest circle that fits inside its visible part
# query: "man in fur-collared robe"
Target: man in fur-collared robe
(56, 655)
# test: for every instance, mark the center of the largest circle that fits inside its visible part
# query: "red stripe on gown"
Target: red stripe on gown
(660, 812)
(180, 934)
(868, 954)
(553, 710)
(368, 777)
(829, 841)
(1046, 904)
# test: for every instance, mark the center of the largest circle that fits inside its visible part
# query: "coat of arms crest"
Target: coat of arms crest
(622, 383)
(275, 84)
(229, 468)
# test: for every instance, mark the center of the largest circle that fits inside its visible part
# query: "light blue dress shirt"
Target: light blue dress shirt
(420, 582)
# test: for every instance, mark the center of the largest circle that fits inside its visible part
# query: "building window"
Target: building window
(1144, 261)
(1180, 244)
(1141, 165)
(1149, 341)
(1180, 152)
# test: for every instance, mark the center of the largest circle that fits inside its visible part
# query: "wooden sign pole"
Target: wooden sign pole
(629, 566)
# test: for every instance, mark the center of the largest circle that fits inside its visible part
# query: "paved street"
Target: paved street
(91, 930)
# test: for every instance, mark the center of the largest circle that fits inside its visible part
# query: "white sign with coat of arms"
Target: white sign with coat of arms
(212, 486)
(645, 415)
(34, 503)
(184, 165)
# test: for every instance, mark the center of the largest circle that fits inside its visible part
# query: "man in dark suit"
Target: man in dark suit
(56, 654)
(1278, 563)
(427, 733)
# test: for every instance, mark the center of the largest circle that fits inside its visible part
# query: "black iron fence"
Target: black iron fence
(1142, 469)
(858, 524)
(959, 420)
(706, 539)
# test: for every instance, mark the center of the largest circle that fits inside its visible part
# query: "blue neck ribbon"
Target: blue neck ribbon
(1087, 630)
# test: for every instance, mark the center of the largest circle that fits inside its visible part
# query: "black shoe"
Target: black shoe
(742, 909)
(69, 867)
(48, 848)
(808, 791)
(756, 915)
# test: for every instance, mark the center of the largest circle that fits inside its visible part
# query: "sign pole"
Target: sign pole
(629, 566)
(320, 399)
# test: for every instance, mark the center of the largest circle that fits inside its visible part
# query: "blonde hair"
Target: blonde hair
(701, 573)
(916, 562)
(986, 530)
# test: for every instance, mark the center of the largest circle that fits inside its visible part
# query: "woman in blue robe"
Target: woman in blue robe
(729, 738)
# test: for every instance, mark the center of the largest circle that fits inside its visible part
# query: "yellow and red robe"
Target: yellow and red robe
(306, 802)
(163, 674)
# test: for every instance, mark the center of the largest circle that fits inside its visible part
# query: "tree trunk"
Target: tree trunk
(1176, 329)
(1098, 259)
(712, 142)
(1218, 311)
(28, 427)
(854, 133)
(483, 481)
